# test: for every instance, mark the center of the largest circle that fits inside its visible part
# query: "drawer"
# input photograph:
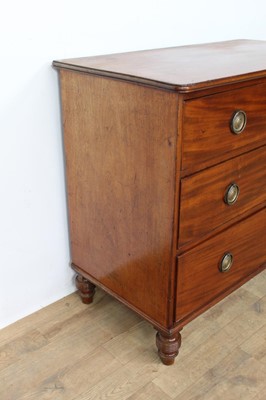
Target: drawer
(199, 276)
(207, 133)
(204, 196)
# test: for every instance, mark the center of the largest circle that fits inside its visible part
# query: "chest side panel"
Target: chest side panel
(120, 142)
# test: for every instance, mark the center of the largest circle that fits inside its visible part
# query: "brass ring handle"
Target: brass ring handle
(238, 122)
(231, 194)
(226, 262)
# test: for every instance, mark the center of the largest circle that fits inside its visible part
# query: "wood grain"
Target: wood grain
(85, 288)
(185, 68)
(150, 153)
(199, 277)
(120, 142)
(202, 205)
(210, 361)
(207, 133)
(224, 349)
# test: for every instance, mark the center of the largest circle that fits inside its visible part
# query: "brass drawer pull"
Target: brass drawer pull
(232, 193)
(238, 122)
(226, 262)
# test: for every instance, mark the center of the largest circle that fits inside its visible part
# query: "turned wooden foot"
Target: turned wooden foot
(168, 346)
(86, 289)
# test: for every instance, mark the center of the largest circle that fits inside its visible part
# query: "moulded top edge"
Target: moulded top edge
(185, 68)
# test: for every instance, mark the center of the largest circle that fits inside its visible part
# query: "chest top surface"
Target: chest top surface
(184, 68)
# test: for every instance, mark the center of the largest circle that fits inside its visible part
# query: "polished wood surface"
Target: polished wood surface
(86, 289)
(183, 68)
(199, 277)
(120, 160)
(71, 351)
(207, 125)
(202, 205)
(150, 153)
(168, 346)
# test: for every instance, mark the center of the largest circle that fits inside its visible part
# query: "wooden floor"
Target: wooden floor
(104, 351)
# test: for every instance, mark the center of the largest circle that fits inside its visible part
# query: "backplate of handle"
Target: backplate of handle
(231, 194)
(238, 122)
(226, 262)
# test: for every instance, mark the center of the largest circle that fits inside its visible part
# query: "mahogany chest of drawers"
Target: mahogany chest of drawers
(166, 177)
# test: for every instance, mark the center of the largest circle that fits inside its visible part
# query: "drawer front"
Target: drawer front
(207, 198)
(199, 276)
(207, 132)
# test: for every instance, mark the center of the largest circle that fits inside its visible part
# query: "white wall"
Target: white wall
(33, 225)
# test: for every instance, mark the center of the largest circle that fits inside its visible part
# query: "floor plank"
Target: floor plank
(245, 381)
(71, 351)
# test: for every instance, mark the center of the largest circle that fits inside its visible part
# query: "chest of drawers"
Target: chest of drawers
(166, 177)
